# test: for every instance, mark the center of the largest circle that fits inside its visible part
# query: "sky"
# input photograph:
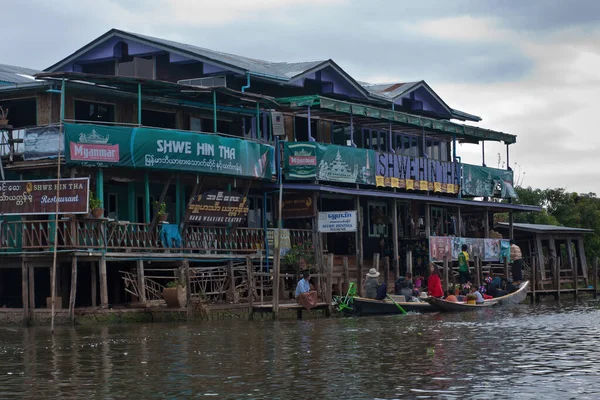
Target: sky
(529, 68)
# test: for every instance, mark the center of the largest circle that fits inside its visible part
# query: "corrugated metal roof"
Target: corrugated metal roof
(543, 228)
(14, 74)
(390, 90)
(282, 70)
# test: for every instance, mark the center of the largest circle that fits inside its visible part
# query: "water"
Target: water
(516, 352)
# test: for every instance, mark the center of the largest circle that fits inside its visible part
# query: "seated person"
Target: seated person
(450, 297)
(381, 291)
(371, 284)
(304, 295)
(404, 287)
(477, 293)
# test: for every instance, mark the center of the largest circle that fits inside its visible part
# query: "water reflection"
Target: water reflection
(521, 352)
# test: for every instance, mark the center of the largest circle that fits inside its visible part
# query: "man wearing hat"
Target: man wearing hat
(371, 284)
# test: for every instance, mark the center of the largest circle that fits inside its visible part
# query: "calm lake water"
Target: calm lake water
(519, 352)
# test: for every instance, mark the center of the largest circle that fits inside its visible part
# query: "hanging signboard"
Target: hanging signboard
(337, 221)
(297, 205)
(217, 207)
(272, 241)
(277, 124)
(106, 146)
(38, 197)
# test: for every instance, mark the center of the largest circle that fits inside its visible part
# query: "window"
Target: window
(378, 219)
(88, 111)
(158, 119)
(113, 208)
(137, 67)
(21, 112)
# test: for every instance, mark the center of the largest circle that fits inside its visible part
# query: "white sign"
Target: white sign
(277, 124)
(337, 221)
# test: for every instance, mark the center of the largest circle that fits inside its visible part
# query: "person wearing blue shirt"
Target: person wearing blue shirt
(305, 296)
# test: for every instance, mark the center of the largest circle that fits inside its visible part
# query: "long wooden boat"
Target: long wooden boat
(511, 298)
(363, 306)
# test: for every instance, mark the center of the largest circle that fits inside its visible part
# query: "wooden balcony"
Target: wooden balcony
(121, 236)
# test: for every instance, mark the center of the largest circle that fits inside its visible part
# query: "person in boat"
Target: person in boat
(517, 262)
(371, 283)
(451, 297)
(476, 292)
(404, 286)
(381, 292)
(304, 295)
(463, 265)
(434, 284)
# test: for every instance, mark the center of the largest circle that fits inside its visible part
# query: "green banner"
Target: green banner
(315, 161)
(487, 182)
(100, 146)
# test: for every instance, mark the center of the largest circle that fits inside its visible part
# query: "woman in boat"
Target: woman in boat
(434, 285)
(371, 283)
(450, 297)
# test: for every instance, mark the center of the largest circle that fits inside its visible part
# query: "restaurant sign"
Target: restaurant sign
(297, 205)
(337, 221)
(315, 161)
(106, 146)
(39, 197)
(417, 173)
(218, 207)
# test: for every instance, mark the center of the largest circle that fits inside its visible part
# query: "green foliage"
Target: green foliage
(559, 207)
(173, 284)
(471, 296)
(94, 202)
(161, 208)
(304, 251)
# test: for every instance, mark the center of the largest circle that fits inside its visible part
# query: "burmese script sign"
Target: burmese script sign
(297, 205)
(417, 173)
(38, 197)
(218, 207)
(337, 221)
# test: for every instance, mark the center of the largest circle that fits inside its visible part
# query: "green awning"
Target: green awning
(466, 132)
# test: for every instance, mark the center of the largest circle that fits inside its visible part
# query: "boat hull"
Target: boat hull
(511, 298)
(363, 307)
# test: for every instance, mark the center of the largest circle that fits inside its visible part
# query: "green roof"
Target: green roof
(468, 133)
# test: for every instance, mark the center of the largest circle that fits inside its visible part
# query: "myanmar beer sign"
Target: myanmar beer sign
(39, 197)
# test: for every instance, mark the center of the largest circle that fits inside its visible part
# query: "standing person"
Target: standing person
(517, 262)
(304, 295)
(434, 284)
(371, 284)
(463, 265)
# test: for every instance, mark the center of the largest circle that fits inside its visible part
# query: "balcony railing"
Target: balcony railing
(120, 236)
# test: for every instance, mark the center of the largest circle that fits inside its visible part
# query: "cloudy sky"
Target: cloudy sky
(531, 68)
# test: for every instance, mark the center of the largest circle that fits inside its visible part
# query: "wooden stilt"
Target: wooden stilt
(31, 290)
(386, 269)
(231, 291)
(103, 283)
(446, 272)
(94, 272)
(556, 271)
(359, 246)
(25, 291)
(276, 273)
(376, 261)
(575, 278)
(409, 261)
(188, 290)
(506, 269)
(345, 277)
(73, 292)
(595, 277)
(395, 259)
(251, 283)
(329, 283)
(533, 279)
(141, 280)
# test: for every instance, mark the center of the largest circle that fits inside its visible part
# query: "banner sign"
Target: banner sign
(297, 205)
(42, 142)
(286, 242)
(337, 221)
(417, 173)
(38, 197)
(217, 207)
(277, 124)
(485, 249)
(315, 161)
(487, 182)
(105, 146)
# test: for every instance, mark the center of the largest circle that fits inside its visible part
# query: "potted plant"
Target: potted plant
(3, 116)
(175, 294)
(96, 206)
(161, 211)
(300, 257)
(471, 298)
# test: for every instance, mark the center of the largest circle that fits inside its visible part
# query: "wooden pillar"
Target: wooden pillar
(359, 246)
(141, 281)
(556, 265)
(103, 283)
(25, 291)
(251, 283)
(511, 234)
(94, 284)
(31, 289)
(540, 255)
(395, 260)
(386, 269)
(188, 290)
(409, 261)
(506, 269)
(276, 272)
(346, 276)
(582, 259)
(376, 261)
(533, 278)
(595, 277)
(131, 202)
(427, 221)
(458, 222)
(475, 277)
(73, 293)
(329, 282)
(478, 271)
(231, 274)
(552, 250)
(575, 278)
(446, 273)
(486, 223)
